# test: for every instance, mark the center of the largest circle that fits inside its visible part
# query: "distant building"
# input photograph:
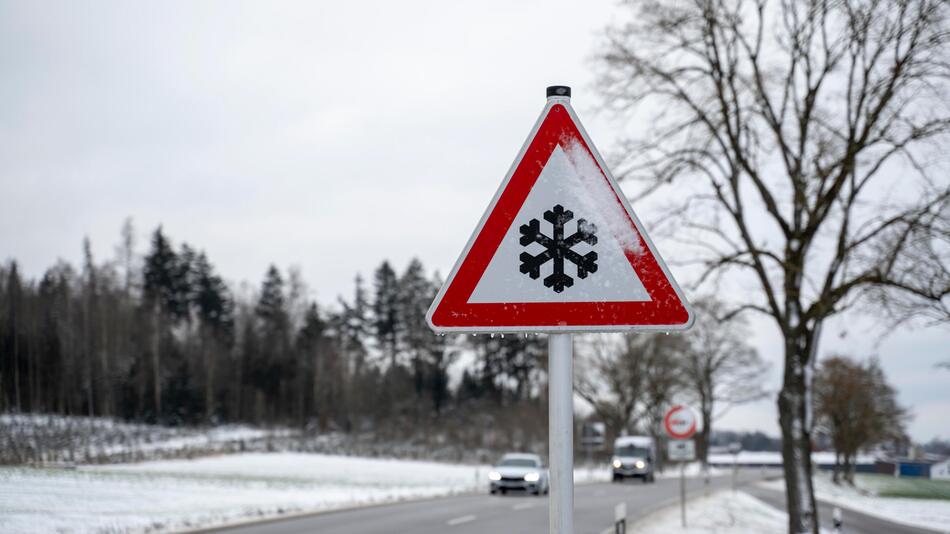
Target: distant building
(940, 470)
(824, 460)
(916, 466)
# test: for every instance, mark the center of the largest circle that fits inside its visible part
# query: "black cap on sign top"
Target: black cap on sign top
(559, 90)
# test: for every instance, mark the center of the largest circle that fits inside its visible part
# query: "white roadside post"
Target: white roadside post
(620, 518)
(561, 432)
(838, 522)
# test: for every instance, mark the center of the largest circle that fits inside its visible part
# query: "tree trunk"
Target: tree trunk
(209, 358)
(237, 410)
(317, 374)
(16, 365)
(836, 470)
(794, 419)
(156, 363)
(300, 401)
(105, 372)
(849, 468)
(659, 440)
(705, 406)
(88, 348)
(31, 365)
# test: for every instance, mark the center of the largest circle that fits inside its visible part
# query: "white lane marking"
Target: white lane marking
(460, 520)
(522, 506)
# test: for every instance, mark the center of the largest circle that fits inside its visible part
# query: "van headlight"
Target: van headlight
(640, 464)
(532, 477)
(494, 475)
(617, 463)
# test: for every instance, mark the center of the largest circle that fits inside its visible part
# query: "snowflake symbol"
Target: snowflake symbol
(558, 248)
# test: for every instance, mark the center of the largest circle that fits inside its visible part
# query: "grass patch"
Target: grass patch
(911, 488)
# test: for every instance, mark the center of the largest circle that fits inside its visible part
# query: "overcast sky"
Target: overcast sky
(327, 136)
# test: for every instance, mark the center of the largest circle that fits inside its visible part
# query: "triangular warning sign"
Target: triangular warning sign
(559, 248)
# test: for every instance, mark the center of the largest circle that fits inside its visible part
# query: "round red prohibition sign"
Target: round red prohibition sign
(680, 423)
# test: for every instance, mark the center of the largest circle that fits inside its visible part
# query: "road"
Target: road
(477, 514)
(853, 522)
(525, 514)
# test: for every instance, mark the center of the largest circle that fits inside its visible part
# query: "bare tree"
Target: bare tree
(858, 408)
(720, 368)
(661, 360)
(924, 269)
(786, 124)
(609, 379)
(631, 380)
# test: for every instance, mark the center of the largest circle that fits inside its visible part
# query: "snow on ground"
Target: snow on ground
(181, 494)
(692, 470)
(603, 473)
(775, 458)
(322, 468)
(926, 513)
(590, 474)
(723, 512)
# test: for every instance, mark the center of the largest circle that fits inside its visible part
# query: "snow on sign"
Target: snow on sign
(559, 248)
(680, 422)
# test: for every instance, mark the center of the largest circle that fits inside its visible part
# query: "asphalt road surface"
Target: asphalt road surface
(479, 514)
(523, 514)
(852, 522)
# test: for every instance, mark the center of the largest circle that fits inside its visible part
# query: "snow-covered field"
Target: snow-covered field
(182, 494)
(927, 513)
(723, 512)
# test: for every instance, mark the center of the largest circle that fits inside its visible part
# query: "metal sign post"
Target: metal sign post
(682, 451)
(680, 424)
(561, 432)
(683, 493)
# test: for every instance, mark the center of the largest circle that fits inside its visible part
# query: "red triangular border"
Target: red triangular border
(451, 310)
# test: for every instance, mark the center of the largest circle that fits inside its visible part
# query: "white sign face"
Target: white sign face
(561, 184)
(592, 434)
(681, 450)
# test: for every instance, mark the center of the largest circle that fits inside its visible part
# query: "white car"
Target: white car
(519, 471)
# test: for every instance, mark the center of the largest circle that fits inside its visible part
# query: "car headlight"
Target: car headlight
(532, 477)
(617, 463)
(494, 475)
(640, 464)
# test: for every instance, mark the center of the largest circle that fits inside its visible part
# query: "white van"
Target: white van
(633, 457)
